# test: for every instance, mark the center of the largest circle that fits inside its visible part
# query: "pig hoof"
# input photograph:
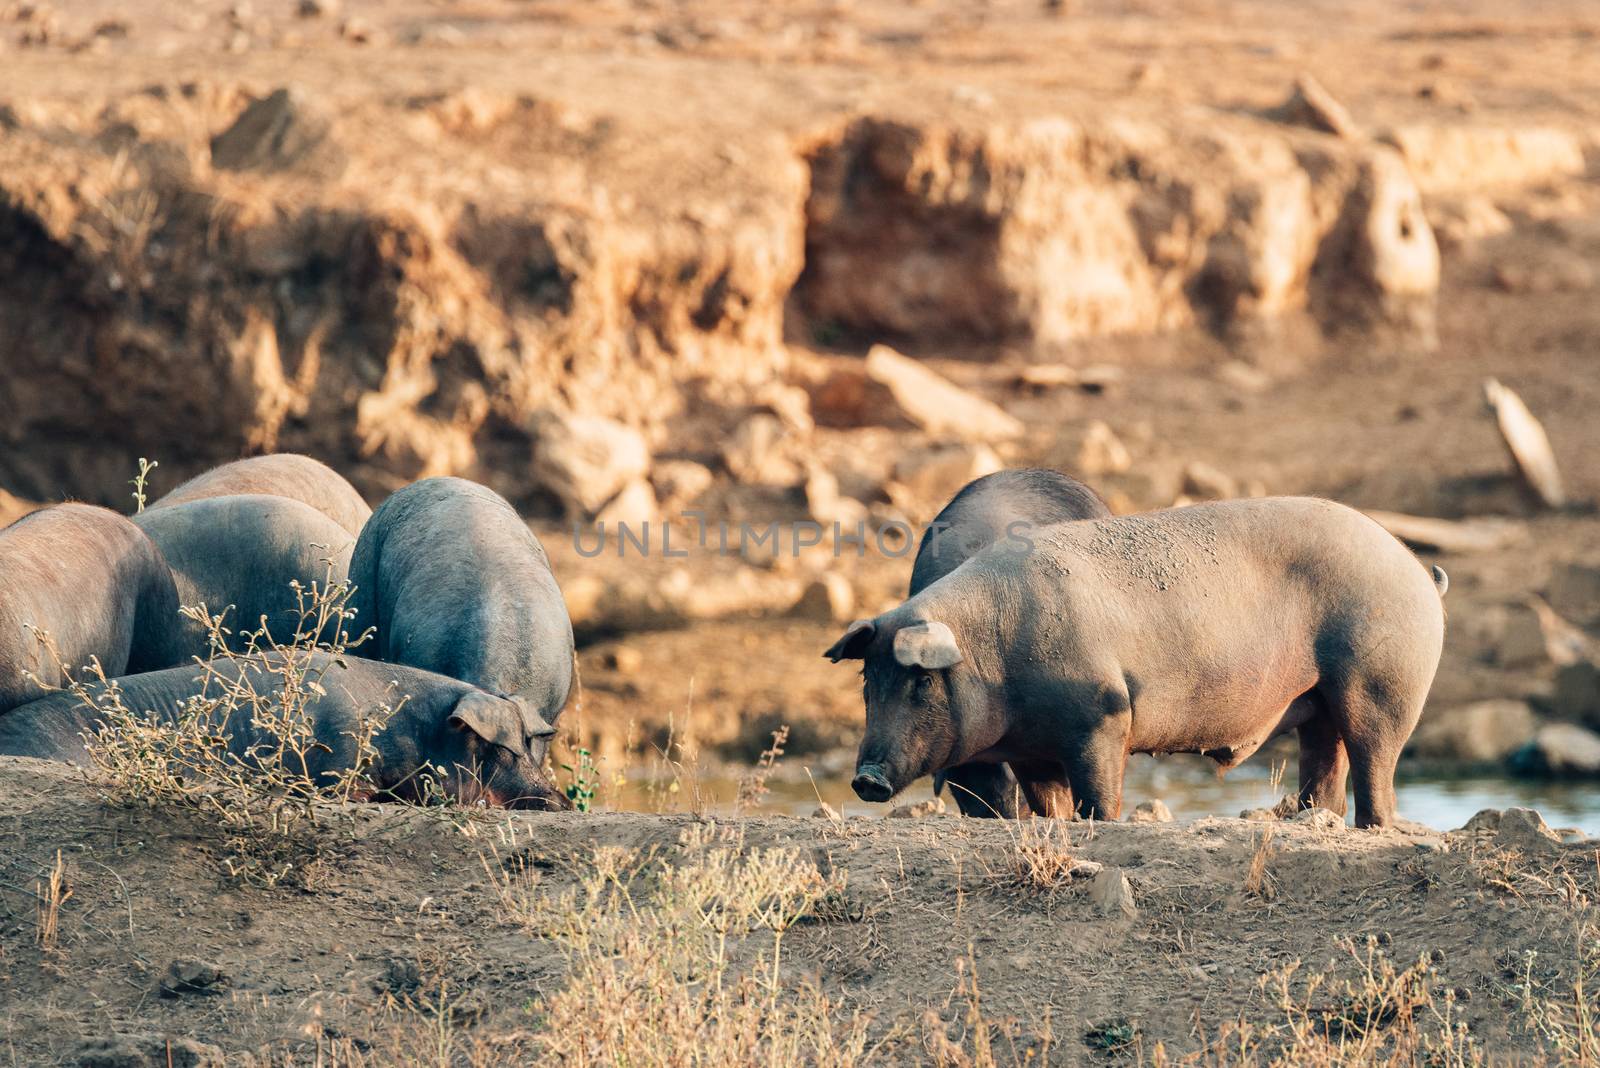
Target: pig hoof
(872, 786)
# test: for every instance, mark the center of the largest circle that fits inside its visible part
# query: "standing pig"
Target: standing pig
(245, 551)
(482, 741)
(1006, 504)
(96, 584)
(455, 582)
(284, 474)
(1207, 629)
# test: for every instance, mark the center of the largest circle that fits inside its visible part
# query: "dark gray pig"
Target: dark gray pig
(482, 741)
(1004, 505)
(245, 551)
(100, 588)
(1207, 629)
(455, 582)
(284, 474)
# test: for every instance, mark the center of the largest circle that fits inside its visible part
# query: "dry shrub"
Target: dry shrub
(1565, 1012)
(1379, 1014)
(1259, 882)
(979, 1041)
(677, 958)
(1040, 859)
(261, 791)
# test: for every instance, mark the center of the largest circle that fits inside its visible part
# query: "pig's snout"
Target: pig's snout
(871, 784)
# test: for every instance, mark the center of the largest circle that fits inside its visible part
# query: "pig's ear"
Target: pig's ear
(853, 646)
(494, 719)
(930, 645)
(537, 726)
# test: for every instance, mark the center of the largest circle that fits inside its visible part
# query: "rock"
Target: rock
(934, 475)
(584, 461)
(1460, 221)
(1451, 535)
(1382, 259)
(1112, 894)
(1487, 819)
(756, 455)
(828, 506)
(1480, 733)
(678, 482)
(1312, 106)
(1553, 271)
(1527, 443)
(825, 811)
(1522, 642)
(1524, 830)
(1559, 751)
(1243, 377)
(934, 806)
(1456, 158)
(1577, 693)
(792, 404)
(1102, 452)
(280, 132)
(1258, 815)
(828, 598)
(316, 9)
(1154, 811)
(358, 31)
(147, 1051)
(1575, 592)
(187, 975)
(935, 404)
(624, 660)
(1320, 819)
(633, 506)
(1205, 482)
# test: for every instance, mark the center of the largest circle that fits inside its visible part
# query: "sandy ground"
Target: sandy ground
(398, 897)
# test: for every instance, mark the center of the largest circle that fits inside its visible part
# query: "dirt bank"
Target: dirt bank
(458, 932)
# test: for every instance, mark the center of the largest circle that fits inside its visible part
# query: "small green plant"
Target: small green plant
(584, 784)
(141, 481)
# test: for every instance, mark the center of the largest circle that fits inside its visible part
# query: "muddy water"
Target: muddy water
(1190, 788)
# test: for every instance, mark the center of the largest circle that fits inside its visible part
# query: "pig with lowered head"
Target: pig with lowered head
(1206, 629)
(96, 584)
(481, 741)
(282, 474)
(1003, 506)
(455, 582)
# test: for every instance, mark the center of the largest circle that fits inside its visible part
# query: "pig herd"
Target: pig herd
(1043, 640)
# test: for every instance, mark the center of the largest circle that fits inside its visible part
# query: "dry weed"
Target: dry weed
(258, 787)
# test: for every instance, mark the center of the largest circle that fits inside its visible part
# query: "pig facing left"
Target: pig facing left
(99, 587)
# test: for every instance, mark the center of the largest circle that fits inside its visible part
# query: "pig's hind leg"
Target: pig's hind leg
(1323, 761)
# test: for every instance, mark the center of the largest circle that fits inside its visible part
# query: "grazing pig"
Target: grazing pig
(1206, 629)
(482, 741)
(1006, 504)
(245, 551)
(284, 474)
(455, 582)
(91, 579)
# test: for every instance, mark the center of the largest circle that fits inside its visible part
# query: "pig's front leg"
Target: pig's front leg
(1095, 763)
(1046, 787)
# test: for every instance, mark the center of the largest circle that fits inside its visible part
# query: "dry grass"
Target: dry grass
(1040, 859)
(753, 785)
(52, 892)
(1377, 1014)
(1259, 881)
(264, 794)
